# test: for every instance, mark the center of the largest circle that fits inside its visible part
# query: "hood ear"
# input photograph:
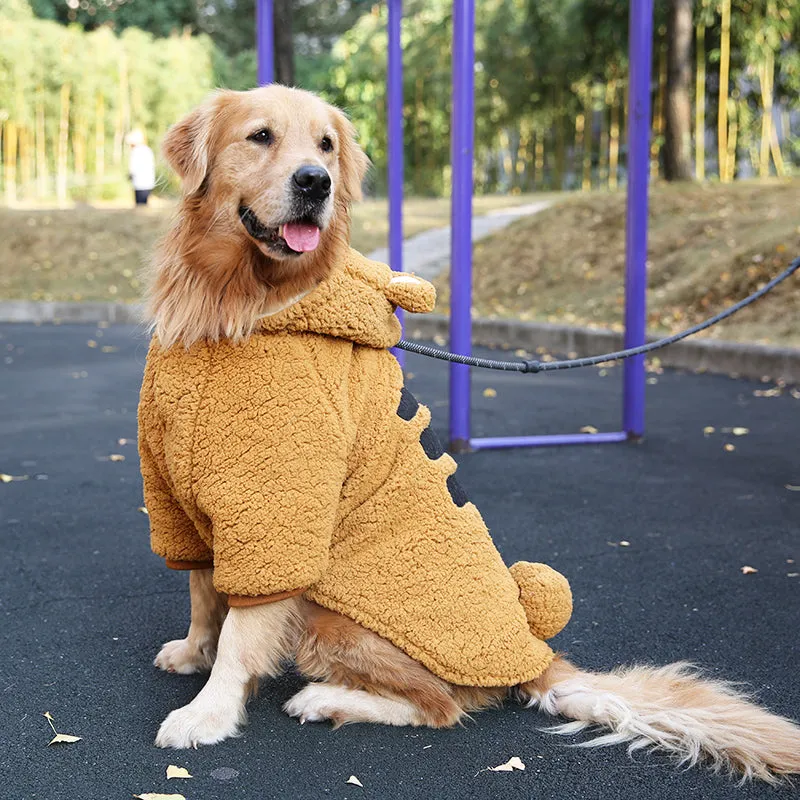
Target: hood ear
(353, 161)
(187, 144)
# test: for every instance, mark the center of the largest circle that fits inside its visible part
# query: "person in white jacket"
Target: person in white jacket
(141, 167)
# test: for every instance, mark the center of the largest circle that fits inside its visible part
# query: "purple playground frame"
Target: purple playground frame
(640, 44)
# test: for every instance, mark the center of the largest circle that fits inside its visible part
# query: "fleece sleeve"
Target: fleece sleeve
(268, 467)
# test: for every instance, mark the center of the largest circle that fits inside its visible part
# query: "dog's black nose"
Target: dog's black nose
(313, 182)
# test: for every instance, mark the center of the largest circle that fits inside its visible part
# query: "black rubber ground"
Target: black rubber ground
(85, 605)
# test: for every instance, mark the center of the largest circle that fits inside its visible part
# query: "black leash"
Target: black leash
(548, 366)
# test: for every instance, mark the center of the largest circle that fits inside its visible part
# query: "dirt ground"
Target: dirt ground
(709, 246)
(98, 253)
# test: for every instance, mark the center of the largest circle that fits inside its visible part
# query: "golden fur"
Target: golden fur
(213, 280)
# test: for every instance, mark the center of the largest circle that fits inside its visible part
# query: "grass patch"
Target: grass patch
(709, 246)
(98, 253)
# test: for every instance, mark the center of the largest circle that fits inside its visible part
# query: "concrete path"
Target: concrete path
(85, 604)
(428, 253)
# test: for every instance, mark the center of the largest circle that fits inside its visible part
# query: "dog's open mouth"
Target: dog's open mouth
(295, 237)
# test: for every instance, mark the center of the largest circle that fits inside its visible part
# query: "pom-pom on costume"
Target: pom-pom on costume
(296, 462)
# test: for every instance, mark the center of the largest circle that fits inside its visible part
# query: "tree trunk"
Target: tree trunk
(678, 137)
(284, 45)
(700, 106)
(657, 140)
(724, 76)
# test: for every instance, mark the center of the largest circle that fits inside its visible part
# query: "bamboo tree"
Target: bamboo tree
(586, 182)
(122, 122)
(730, 139)
(25, 161)
(613, 135)
(561, 136)
(79, 138)
(10, 161)
(602, 159)
(724, 77)
(580, 124)
(700, 106)
(99, 137)
(41, 147)
(63, 145)
(538, 159)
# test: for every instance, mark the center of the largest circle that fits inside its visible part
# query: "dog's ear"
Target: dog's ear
(187, 144)
(353, 161)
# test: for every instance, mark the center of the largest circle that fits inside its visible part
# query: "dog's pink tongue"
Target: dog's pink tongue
(301, 237)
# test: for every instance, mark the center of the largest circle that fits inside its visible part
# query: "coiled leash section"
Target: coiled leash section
(534, 366)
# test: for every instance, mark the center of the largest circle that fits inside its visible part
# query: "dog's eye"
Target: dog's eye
(264, 136)
(326, 145)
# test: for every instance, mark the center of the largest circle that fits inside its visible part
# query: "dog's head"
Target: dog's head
(279, 166)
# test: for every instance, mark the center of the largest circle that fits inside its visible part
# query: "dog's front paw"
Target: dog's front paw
(185, 656)
(198, 724)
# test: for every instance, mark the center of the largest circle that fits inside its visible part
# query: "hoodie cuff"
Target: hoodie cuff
(189, 564)
(245, 601)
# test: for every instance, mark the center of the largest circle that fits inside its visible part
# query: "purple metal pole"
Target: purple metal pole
(395, 137)
(462, 136)
(640, 48)
(265, 41)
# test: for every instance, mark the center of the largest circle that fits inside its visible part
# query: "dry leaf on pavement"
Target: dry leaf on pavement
(116, 457)
(748, 570)
(708, 430)
(4, 478)
(64, 738)
(792, 488)
(729, 448)
(157, 796)
(355, 781)
(509, 766)
(589, 429)
(59, 738)
(740, 431)
(489, 392)
(177, 772)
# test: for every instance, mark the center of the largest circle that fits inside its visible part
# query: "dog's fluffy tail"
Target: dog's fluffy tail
(673, 709)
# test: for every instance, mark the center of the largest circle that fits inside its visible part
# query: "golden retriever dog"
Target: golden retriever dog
(269, 176)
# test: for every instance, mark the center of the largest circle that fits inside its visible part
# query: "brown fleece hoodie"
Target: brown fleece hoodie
(296, 462)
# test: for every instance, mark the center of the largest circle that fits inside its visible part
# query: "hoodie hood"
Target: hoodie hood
(356, 302)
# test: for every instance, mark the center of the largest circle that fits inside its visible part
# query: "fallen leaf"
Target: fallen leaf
(116, 457)
(109, 349)
(792, 574)
(355, 781)
(509, 766)
(122, 442)
(740, 431)
(790, 561)
(143, 510)
(91, 343)
(792, 488)
(489, 392)
(521, 353)
(652, 381)
(64, 738)
(730, 448)
(748, 570)
(157, 796)
(623, 543)
(8, 478)
(177, 772)
(589, 429)
(708, 430)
